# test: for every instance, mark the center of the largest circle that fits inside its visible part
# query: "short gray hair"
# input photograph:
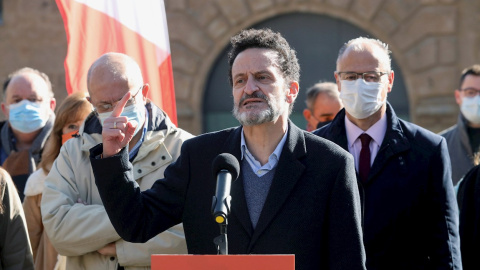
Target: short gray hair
(361, 44)
(26, 70)
(328, 88)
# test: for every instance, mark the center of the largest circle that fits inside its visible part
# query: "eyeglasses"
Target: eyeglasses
(371, 76)
(108, 107)
(471, 92)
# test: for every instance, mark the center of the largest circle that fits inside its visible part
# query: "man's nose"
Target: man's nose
(251, 85)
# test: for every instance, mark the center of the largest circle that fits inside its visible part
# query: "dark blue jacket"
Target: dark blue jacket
(410, 216)
(312, 209)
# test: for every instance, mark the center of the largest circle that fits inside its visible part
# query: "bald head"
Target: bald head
(28, 78)
(114, 70)
(361, 44)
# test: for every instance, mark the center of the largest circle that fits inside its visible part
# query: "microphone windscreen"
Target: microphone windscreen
(226, 161)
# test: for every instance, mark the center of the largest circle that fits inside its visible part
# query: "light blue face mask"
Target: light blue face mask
(26, 116)
(132, 112)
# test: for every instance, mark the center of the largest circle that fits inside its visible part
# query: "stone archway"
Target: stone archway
(422, 36)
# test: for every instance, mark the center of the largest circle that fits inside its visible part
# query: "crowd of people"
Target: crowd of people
(107, 180)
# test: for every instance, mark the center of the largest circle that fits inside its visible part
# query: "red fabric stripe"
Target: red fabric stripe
(91, 33)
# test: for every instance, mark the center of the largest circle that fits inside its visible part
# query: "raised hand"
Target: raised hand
(117, 132)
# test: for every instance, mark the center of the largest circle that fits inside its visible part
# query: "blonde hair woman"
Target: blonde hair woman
(69, 117)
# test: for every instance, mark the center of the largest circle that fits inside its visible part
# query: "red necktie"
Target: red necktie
(364, 162)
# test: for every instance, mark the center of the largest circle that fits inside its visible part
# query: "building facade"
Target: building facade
(431, 42)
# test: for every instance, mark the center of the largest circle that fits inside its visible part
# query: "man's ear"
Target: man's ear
(458, 97)
(293, 92)
(145, 89)
(307, 114)
(391, 76)
(53, 104)
(4, 109)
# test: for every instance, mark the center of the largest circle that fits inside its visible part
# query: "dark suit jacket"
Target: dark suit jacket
(469, 203)
(312, 209)
(409, 209)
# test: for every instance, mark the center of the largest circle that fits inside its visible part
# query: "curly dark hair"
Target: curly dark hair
(266, 39)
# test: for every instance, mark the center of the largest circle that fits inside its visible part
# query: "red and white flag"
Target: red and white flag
(136, 28)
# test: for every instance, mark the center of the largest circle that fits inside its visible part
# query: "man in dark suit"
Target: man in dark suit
(296, 193)
(409, 213)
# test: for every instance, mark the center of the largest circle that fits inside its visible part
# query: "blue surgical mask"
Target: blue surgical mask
(132, 112)
(27, 117)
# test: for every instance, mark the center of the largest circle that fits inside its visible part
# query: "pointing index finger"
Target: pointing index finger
(120, 105)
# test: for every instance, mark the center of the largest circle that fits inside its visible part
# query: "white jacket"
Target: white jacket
(78, 230)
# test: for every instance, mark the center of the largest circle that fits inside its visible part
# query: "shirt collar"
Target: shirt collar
(276, 153)
(377, 131)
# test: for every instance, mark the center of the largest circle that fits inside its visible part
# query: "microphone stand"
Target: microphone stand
(221, 241)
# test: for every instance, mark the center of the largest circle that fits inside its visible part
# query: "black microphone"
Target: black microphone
(226, 169)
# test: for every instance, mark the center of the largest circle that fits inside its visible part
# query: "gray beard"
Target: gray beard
(251, 119)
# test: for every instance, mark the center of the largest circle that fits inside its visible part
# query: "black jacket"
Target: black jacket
(312, 209)
(409, 210)
(469, 203)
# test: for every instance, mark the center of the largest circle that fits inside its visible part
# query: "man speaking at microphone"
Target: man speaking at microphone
(296, 193)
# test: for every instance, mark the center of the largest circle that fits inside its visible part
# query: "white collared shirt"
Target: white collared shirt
(257, 168)
(377, 132)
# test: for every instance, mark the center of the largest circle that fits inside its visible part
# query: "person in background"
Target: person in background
(69, 116)
(15, 250)
(463, 139)
(323, 103)
(28, 105)
(82, 231)
(410, 218)
(296, 193)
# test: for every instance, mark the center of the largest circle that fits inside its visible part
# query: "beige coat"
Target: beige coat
(78, 230)
(44, 254)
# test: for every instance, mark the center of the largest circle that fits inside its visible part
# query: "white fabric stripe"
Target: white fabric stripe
(146, 17)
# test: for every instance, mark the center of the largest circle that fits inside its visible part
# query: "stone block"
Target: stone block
(183, 85)
(385, 22)
(366, 8)
(436, 106)
(175, 5)
(423, 55)
(430, 20)
(339, 3)
(282, 1)
(260, 5)
(181, 27)
(204, 11)
(234, 10)
(435, 81)
(447, 52)
(401, 9)
(183, 59)
(218, 27)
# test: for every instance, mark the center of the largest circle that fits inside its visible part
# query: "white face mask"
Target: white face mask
(470, 108)
(132, 112)
(361, 99)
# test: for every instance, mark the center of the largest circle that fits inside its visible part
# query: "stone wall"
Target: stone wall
(431, 40)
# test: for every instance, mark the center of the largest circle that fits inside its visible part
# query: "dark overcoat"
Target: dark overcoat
(410, 216)
(312, 209)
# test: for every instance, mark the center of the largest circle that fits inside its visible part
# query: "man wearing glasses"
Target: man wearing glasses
(463, 139)
(72, 210)
(409, 210)
(28, 105)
